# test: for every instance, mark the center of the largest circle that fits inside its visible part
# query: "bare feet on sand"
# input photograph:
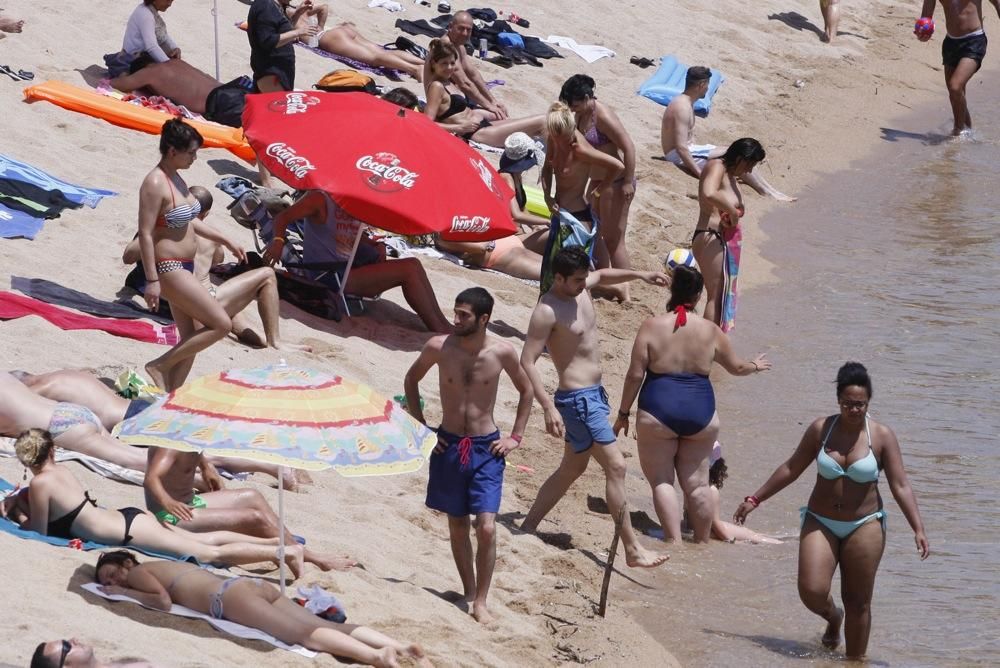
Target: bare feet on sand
(295, 560)
(416, 652)
(156, 376)
(643, 558)
(344, 563)
(293, 347)
(293, 480)
(782, 197)
(832, 636)
(10, 25)
(386, 658)
(481, 613)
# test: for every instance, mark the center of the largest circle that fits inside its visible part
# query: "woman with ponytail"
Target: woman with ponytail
(677, 424)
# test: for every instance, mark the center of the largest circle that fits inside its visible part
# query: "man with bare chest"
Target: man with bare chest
(467, 466)
(962, 50)
(564, 321)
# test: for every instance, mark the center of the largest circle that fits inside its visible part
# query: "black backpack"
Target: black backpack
(225, 104)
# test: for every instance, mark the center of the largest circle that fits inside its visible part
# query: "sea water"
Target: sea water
(893, 263)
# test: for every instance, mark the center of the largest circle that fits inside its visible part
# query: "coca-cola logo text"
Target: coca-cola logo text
(470, 224)
(486, 174)
(386, 174)
(294, 103)
(298, 165)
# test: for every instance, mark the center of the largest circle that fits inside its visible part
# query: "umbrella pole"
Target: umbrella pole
(215, 17)
(347, 270)
(281, 528)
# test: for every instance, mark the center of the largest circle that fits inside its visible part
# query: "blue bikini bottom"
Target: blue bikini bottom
(839, 528)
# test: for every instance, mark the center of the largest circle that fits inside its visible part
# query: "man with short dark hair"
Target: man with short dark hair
(564, 321)
(677, 135)
(962, 51)
(466, 76)
(467, 466)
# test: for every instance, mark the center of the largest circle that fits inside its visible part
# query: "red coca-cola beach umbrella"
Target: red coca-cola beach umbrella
(390, 167)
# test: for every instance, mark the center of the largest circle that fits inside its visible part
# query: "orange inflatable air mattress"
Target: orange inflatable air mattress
(133, 116)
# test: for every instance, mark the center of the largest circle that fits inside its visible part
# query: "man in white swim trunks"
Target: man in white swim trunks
(677, 135)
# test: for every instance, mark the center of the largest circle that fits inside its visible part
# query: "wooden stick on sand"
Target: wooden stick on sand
(608, 567)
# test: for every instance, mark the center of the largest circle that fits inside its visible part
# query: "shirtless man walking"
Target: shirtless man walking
(677, 135)
(564, 321)
(962, 51)
(467, 77)
(467, 466)
(170, 495)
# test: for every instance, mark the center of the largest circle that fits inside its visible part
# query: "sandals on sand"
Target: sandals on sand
(20, 75)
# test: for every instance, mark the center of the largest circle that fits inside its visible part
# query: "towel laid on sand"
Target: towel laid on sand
(57, 295)
(589, 52)
(98, 466)
(387, 72)
(224, 625)
(13, 306)
(19, 171)
(16, 224)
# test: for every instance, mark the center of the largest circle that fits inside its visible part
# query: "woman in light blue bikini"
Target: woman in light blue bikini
(838, 524)
(247, 601)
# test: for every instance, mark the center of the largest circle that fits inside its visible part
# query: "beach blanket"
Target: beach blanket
(733, 236)
(14, 170)
(18, 224)
(224, 625)
(57, 295)
(668, 82)
(134, 117)
(13, 306)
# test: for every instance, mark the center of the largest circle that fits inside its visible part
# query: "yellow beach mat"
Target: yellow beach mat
(133, 116)
(536, 202)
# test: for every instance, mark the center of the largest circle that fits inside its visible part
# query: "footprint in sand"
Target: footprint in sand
(323, 348)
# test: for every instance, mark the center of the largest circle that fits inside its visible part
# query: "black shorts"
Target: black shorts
(953, 50)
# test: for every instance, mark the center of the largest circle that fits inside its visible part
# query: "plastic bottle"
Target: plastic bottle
(483, 50)
(313, 40)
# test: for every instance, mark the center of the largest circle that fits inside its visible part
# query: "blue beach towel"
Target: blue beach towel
(15, 224)
(668, 82)
(19, 171)
(13, 529)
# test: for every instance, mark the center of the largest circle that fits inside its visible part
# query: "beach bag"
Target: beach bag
(225, 104)
(118, 63)
(565, 231)
(346, 81)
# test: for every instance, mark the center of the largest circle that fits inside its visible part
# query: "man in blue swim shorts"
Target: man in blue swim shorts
(564, 321)
(466, 467)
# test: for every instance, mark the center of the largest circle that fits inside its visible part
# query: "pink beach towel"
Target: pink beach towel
(13, 306)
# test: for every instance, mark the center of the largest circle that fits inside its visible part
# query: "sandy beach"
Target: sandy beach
(544, 593)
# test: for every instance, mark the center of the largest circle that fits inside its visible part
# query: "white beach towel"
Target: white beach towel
(224, 625)
(589, 52)
(99, 466)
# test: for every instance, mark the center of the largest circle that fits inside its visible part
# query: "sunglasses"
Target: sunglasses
(66, 647)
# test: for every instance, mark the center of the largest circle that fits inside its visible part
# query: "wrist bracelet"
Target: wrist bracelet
(152, 280)
(752, 499)
(755, 367)
(517, 438)
(624, 414)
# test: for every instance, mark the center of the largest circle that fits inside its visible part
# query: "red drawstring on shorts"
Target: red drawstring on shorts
(465, 452)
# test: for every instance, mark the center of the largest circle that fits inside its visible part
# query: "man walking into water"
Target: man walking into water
(467, 466)
(677, 135)
(564, 321)
(962, 50)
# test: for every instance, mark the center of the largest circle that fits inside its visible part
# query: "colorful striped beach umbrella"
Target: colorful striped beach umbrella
(290, 416)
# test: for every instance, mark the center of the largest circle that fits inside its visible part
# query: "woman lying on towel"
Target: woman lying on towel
(453, 111)
(58, 506)
(247, 601)
(345, 40)
(168, 225)
(518, 255)
(328, 235)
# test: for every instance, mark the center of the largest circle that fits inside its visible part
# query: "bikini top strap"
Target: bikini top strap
(170, 187)
(868, 433)
(830, 430)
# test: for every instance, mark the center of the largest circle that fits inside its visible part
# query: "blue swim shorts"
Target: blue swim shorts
(585, 413)
(466, 478)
